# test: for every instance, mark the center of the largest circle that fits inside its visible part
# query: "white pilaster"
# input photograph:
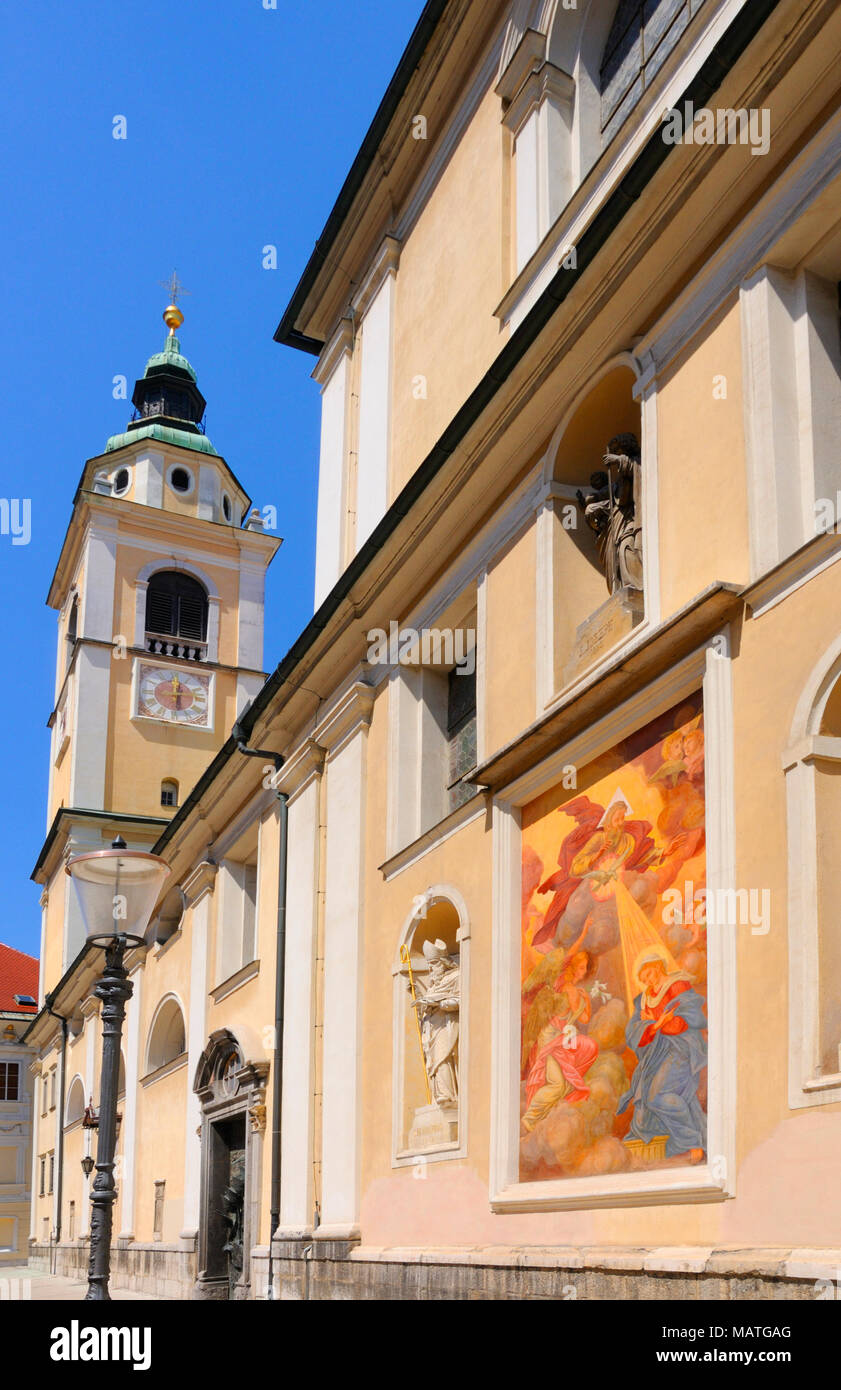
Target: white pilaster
(252, 584)
(129, 1128)
(375, 391)
(344, 734)
(301, 780)
(333, 374)
(149, 479)
(197, 892)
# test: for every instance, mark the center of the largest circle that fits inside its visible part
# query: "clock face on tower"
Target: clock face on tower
(173, 695)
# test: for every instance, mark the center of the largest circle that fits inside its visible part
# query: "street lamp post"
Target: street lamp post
(117, 890)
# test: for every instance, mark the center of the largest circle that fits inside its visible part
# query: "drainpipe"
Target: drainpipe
(280, 976)
(48, 1001)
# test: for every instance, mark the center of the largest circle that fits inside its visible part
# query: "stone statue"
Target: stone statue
(613, 511)
(438, 1011)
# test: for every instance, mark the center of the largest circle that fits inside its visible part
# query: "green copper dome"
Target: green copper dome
(170, 357)
(168, 403)
(167, 434)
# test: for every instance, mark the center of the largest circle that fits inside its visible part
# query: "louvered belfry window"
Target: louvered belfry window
(176, 606)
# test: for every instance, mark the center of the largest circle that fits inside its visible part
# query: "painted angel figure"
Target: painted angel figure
(557, 1054)
(438, 1011)
(603, 843)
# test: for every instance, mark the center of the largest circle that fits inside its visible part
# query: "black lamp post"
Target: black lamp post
(117, 890)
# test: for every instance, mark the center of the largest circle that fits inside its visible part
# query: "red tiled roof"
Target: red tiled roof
(18, 975)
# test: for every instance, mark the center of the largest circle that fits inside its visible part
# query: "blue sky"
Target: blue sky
(241, 125)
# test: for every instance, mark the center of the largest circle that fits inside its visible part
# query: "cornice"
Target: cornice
(527, 58)
(199, 883)
(546, 81)
(300, 769)
(385, 263)
(340, 344)
(351, 712)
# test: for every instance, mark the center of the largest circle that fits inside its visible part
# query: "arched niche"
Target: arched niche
(167, 1034)
(574, 588)
(430, 1045)
(812, 766)
(74, 1108)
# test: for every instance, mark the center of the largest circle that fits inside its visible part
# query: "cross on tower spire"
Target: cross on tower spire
(173, 287)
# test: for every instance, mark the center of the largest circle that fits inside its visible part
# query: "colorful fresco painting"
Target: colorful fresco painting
(614, 961)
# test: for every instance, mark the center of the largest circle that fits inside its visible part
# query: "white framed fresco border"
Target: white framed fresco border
(710, 669)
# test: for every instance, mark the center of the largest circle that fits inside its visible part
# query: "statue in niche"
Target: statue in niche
(613, 511)
(437, 1005)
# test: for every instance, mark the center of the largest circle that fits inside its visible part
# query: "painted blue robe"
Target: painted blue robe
(664, 1086)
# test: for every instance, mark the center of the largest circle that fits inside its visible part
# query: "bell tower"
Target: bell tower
(159, 591)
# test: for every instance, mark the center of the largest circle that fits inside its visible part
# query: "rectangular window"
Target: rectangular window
(44, 1089)
(9, 1080)
(45, 1230)
(160, 1193)
(52, 1089)
(52, 1172)
(433, 728)
(237, 917)
(249, 912)
(461, 734)
(43, 1170)
(71, 1221)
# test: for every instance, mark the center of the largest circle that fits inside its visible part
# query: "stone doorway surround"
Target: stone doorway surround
(228, 1087)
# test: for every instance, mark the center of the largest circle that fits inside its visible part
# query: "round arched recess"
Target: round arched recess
(812, 766)
(429, 1112)
(569, 560)
(74, 1108)
(167, 1034)
(604, 407)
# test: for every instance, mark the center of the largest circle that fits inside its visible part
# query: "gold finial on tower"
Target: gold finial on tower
(172, 315)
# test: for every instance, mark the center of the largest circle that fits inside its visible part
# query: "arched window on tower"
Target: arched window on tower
(71, 634)
(169, 792)
(176, 615)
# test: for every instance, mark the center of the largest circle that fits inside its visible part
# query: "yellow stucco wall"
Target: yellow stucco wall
(442, 265)
(702, 474)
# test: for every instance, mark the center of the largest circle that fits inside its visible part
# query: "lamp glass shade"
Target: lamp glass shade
(117, 890)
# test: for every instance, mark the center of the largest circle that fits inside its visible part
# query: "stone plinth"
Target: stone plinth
(603, 630)
(433, 1126)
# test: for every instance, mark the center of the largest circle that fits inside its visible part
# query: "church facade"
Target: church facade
(507, 965)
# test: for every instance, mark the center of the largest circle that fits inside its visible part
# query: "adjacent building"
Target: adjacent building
(18, 1003)
(527, 897)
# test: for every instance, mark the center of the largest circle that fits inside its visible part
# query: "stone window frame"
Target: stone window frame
(413, 722)
(214, 602)
(402, 1157)
(807, 746)
(710, 669)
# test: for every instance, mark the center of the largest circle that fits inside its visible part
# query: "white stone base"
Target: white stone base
(433, 1126)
